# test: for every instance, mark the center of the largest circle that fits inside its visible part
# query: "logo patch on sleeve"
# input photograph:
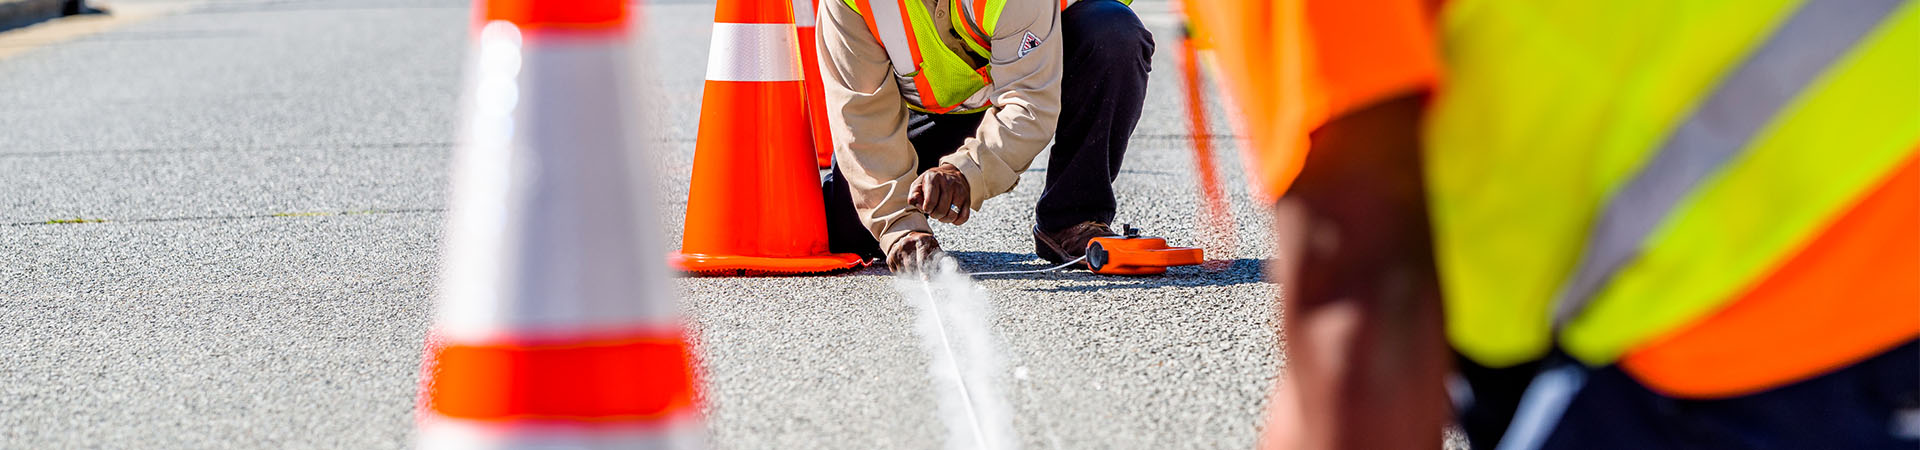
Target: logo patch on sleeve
(1029, 43)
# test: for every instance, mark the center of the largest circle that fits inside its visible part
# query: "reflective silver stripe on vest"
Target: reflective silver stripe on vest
(891, 22)
(966, 16)
(1799, 51)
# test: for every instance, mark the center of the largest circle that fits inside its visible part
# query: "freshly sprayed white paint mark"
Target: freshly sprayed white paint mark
(952, 316)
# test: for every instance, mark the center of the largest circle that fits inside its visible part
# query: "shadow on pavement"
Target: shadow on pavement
(1078, 279)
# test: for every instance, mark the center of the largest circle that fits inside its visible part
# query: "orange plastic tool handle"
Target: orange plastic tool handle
(1175, 256)
(1140, 256)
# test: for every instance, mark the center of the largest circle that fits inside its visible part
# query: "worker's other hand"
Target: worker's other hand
(943, 194)
(917, 253)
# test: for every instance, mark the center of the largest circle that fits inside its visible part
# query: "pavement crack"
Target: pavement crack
(292, 6)
(180, 150)
(277, 215)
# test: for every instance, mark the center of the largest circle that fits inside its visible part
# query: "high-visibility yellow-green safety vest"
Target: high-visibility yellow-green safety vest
(1666, 168)
(933, 77)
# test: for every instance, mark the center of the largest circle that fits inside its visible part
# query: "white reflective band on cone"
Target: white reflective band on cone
(548, 231)
(443, 433)
(803, 13)
(754, 52)
(552, 263)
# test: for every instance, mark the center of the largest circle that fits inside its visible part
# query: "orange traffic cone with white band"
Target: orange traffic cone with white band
(803, 19)
(754, 207)
(554, 324)
(1216, 215)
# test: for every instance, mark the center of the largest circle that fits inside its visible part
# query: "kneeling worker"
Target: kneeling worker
(937, 105)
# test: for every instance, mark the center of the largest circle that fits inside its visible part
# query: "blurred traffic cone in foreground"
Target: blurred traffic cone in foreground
(554, 325)
(1216, 215)
(755, 207)
(804, 13)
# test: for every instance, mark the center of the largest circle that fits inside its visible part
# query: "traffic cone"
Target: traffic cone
(1216, 215)
(554, 324)
(755, 207)
(804, 13)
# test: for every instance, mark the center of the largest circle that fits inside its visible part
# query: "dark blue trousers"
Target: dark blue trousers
(1854, 407)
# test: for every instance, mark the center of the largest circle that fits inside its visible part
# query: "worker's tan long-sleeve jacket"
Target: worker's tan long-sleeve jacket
(869, 116)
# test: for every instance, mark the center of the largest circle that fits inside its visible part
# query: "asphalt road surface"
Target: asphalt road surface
(219, 227)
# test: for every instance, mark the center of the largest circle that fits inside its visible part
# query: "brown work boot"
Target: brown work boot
(1061, 246)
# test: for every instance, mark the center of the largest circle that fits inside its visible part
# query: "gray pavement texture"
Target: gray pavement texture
(219, 229)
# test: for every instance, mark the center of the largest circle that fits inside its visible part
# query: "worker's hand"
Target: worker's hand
(943, 194)
(914, 254)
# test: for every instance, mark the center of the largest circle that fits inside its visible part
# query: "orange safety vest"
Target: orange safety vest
(1850, 291)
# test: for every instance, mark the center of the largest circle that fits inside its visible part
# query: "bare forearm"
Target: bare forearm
(1365, 345)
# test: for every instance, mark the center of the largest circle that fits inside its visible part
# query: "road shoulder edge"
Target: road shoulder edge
(21, 13)
(14, 41)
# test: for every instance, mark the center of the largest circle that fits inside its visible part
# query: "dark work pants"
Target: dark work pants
(1108, 53)
(1854, 407)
